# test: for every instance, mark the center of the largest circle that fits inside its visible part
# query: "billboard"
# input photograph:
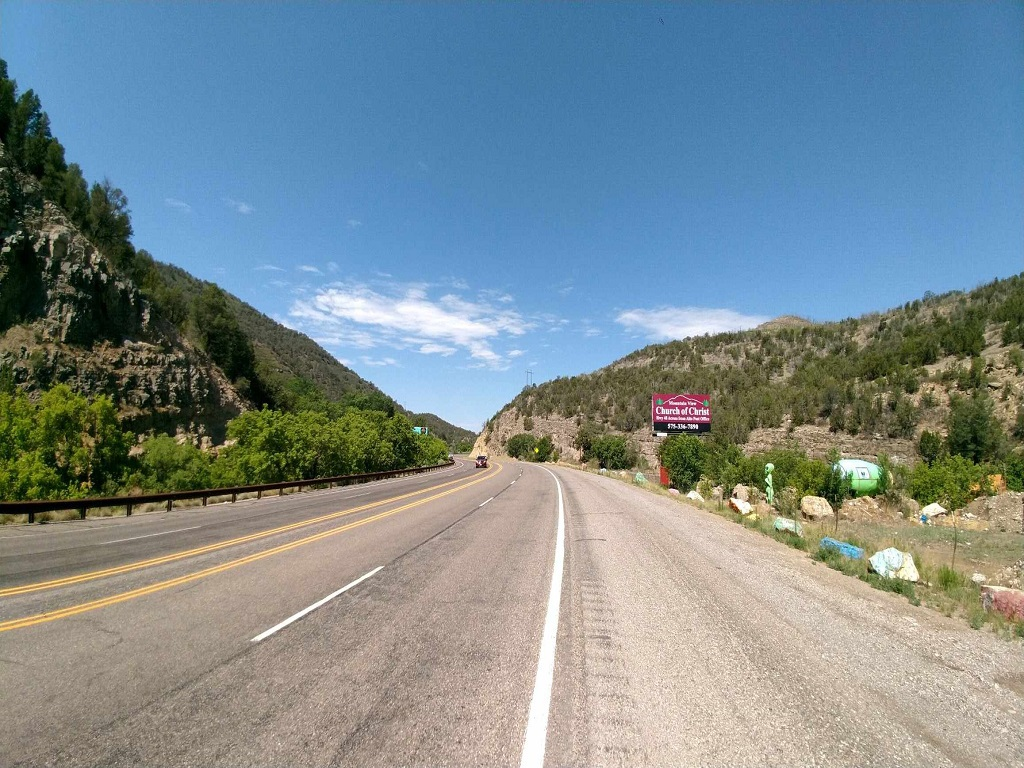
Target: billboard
(680, 414)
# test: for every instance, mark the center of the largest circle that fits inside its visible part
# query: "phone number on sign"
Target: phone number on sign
(679, 427)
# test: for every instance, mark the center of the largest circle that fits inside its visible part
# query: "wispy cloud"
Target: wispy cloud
(309, 268)
(239, 207)
(516, 352)
(430, 348)
(268, 268)
(378, 361)
(354, 223)
(178, 205)
(666, 323)
(408, 318)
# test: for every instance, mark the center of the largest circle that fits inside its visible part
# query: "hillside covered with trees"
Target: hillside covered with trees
(942, 375)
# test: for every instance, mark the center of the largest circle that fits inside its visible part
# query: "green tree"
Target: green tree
(684, 456)
(929, 445)
(974, 431)
(544, 450)
(166, 465)
(613, 452)
(836, 488)
(220, 334)
(109, 225)
(521, 446)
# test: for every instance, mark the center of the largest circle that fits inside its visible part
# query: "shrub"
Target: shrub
(521, 446)
(684, 457)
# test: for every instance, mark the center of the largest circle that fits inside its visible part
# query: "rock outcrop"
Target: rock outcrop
(68, 317)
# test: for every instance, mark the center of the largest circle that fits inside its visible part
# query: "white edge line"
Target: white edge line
(537, 724)
(486, 502)
(313, 607)
(149, 535)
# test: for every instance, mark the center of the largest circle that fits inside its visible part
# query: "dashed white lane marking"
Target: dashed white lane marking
(537, 724)
(313, 607)
(486, 502)
(150, 535)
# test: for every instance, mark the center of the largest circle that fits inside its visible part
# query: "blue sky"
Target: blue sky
(447, 195)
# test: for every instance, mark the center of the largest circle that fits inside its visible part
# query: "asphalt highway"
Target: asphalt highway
(516, 615)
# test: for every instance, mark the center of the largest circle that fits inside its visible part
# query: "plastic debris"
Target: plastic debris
(674, 491)
(893, 564)
(785, 524)
(640, 479)
(844, 548)
(694, 496)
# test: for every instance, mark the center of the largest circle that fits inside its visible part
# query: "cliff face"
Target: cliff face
(67, 317)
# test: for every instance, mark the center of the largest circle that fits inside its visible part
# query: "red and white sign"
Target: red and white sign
(680, 414)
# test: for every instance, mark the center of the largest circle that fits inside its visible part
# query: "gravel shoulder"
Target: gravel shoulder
(688, 640)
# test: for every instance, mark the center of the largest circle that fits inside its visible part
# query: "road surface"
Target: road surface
(414, 622)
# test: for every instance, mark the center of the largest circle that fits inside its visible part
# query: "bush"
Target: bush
(613, 452)
(684, 457)
(521, 446)
(951, 480)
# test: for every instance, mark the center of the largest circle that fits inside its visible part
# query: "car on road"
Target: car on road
(481, 461)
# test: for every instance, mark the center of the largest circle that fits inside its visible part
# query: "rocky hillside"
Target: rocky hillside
(867, 385)
(69, 315)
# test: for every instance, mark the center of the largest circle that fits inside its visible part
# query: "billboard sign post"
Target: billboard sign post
(680, 414)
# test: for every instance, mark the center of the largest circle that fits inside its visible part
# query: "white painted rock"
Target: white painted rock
(934, 510)
(741, 506)
(815, 508)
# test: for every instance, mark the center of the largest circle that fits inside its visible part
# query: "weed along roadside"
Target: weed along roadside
(940, 587)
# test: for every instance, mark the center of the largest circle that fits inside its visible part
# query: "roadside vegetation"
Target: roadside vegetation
(66, 446)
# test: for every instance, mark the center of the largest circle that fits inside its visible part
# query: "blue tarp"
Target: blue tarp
(844, 548)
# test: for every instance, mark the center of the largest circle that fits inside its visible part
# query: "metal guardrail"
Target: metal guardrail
(32, 508)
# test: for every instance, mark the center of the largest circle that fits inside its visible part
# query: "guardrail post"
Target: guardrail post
(170, 503)
(259, 494)
(204, 501)
(31, 517)
(280, 491)
(233, 497)
(81, 513)
(128, 510)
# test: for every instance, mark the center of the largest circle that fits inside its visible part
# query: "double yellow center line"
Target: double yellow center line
(41, 618)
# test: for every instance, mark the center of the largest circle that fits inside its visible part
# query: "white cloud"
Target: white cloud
(269, 268)
(516, 352)
(430, 348)
(379, 361)
(591, 332)
(565, 291)
(354, 314)
(666, 323)
(178, 205)
(332, 266)
(239, 207)
(354, 223)
(308, 268)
